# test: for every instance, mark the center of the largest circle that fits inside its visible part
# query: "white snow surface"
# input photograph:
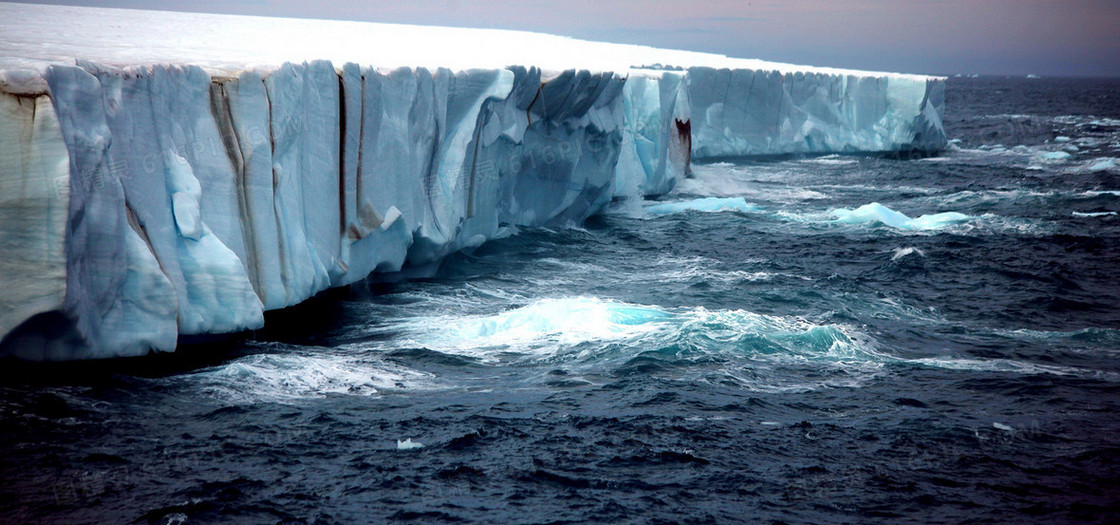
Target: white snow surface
(167, 175)
(225, 45)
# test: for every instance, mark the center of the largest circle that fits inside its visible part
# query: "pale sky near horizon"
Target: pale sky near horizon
(1017, 37)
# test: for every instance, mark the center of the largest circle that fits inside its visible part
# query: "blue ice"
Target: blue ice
(877, 213)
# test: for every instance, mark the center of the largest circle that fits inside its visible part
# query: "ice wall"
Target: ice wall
(746, 112)
(163, 202)
(34, 191)
(657, 138)
(147, 197)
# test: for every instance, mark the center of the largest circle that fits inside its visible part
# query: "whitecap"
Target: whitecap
(544, 327)
(1009, 366)
(1094, 214)
(284, 378)
(831, 160)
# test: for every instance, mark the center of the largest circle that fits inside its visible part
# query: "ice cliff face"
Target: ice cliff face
(742, 112)
(145, 203)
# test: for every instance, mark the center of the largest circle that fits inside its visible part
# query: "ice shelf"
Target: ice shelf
(167, 175)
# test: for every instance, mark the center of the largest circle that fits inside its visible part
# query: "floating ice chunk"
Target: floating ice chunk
(899, 253)
(1103, 164)
(408, 444)
(875, 212)
(1055, 155)
(706, 204)
(1001, 426)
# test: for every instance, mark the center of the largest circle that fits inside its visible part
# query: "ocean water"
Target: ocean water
(826, 340)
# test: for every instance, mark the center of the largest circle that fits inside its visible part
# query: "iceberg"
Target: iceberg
(876, 213)
(171, 175)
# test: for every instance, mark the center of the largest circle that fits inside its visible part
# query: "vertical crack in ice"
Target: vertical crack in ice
(223, 117)
(359, 181)
(285, 275)
(474, 160)
(528, 117)
(342, 217)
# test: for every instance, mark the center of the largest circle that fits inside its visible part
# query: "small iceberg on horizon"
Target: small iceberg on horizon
(877, 213)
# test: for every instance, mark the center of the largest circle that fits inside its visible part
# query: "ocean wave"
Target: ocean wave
(543, 328)
(1092, 214)
(758, 183)
(590, 336)
(1098, 193)
(1011, 366)
(831, 160)
(288, 377)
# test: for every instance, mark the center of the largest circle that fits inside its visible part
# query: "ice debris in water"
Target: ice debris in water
(875, 212)
(706, 204)
(1103, 164)
(408, 444)
(899, 253)
(1001, 426)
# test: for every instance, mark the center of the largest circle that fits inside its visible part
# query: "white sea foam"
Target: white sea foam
(706, 204)
(1009, 366)
(1094, 214)
(753, 183)
(831, 160)
(900, 253)
(289, 377)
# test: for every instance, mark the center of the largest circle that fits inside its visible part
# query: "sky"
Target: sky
(944, 37)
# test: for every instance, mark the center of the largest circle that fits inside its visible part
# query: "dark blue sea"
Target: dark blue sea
(838, 339)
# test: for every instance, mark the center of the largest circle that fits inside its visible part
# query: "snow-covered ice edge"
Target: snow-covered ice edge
(148, 194)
